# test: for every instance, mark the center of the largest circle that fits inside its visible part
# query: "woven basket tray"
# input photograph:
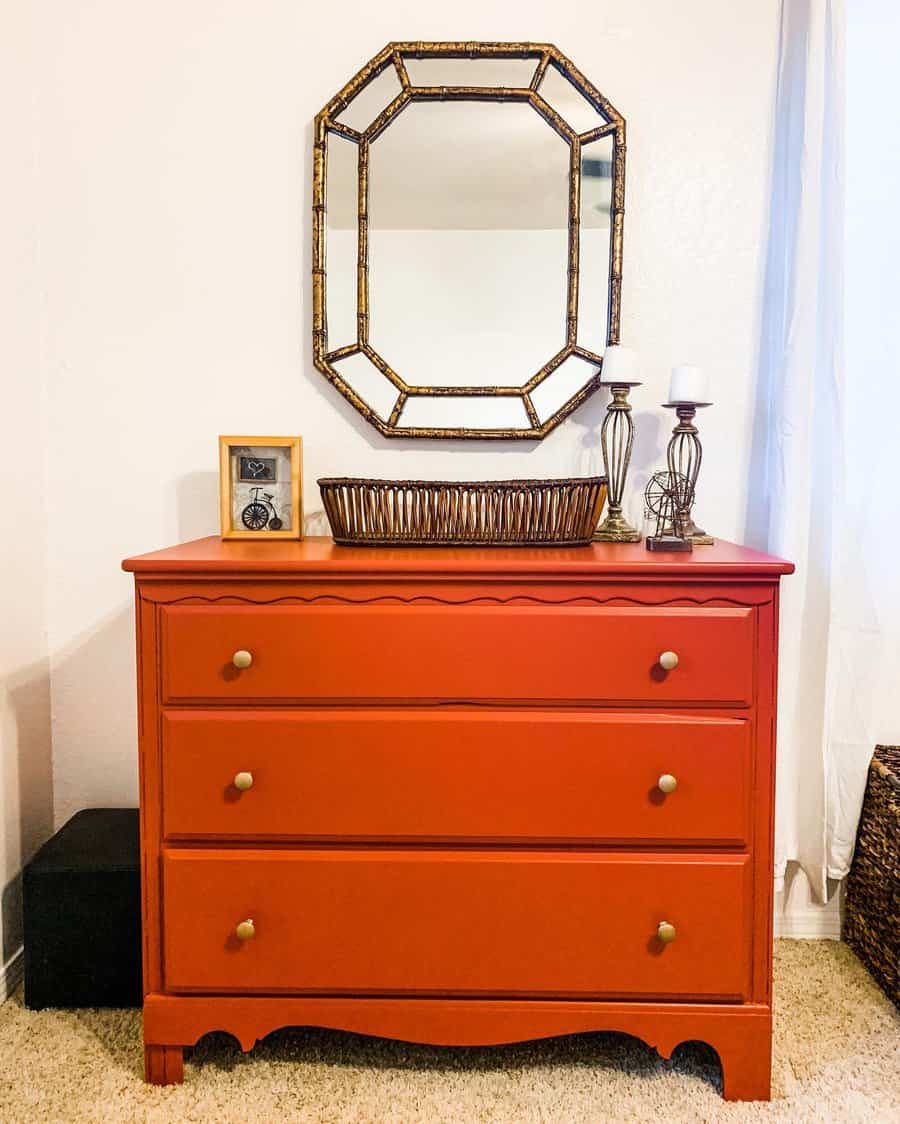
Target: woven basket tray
(459, 513)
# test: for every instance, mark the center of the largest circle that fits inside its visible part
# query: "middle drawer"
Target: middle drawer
(444, 776)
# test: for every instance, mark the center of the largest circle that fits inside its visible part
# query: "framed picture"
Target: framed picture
(260, 487)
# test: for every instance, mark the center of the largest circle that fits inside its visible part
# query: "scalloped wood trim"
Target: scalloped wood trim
(430, 599)
(741, 1035)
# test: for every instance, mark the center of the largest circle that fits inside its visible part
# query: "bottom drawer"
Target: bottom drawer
(463, 922)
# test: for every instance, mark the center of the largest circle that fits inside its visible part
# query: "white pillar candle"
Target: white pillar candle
(620, 364)
(688, 384)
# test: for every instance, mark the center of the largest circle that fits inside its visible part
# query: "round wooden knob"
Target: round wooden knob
(246, 930)
(668, 661)
(242, 659)
(665, 932)
(666, 783)
(243, 781)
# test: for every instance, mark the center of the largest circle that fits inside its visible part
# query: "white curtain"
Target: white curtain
(870, 598)
(817, 464)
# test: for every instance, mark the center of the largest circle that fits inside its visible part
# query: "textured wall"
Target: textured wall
(173, 143)
(26, 800)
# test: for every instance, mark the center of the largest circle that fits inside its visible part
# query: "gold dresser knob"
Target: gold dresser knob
(665, 932)
(666, 783)
(668, 661)
(243, 781)
(241, 659)
(245, 930)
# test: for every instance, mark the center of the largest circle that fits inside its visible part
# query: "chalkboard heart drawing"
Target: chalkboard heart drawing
(256, 468)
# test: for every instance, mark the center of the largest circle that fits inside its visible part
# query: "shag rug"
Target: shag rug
(836, 1058)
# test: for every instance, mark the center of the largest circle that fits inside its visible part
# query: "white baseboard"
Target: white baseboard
(822, 923)
(11, 974)
(797, 915)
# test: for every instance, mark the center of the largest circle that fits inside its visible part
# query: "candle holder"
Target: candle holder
(616, 441)
(684, 455)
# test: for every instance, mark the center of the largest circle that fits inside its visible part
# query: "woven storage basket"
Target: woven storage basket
(872, 909)
(458, 513)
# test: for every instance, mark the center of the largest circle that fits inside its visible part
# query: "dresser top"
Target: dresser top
(212, 556)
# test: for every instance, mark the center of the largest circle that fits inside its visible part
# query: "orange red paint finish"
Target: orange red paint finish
(455, 832)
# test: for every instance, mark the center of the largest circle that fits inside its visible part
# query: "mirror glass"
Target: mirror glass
(466, 242)
(487, 71)
(468, 225)
(593, 275)
(341, 243)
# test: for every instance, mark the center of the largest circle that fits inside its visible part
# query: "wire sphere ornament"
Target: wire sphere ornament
(668, 497)
(664, 486)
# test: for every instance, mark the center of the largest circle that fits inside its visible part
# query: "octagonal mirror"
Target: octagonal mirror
(468, 205)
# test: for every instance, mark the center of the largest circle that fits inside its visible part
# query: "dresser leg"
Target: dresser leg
(163, 1065)
(747, 1068)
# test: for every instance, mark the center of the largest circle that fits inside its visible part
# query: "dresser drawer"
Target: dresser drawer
(413, 775)
(470, 922)
(474, 652)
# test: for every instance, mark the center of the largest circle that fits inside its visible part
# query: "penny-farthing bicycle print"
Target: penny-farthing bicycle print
(256, 515)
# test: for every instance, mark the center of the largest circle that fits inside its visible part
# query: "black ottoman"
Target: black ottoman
(82, 914)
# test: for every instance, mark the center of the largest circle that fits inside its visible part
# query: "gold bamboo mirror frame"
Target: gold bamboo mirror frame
(468, 205)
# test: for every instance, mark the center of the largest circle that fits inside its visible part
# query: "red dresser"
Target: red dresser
(458, 796)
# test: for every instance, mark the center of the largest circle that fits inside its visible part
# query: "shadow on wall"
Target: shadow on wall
(757, 524)
(648, 456)
(316, 522)
(95, 724)
(28, 805)
(197, 505)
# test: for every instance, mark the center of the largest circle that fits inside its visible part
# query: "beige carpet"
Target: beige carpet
(837, 1058)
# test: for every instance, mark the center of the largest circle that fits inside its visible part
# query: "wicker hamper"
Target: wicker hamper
(872, 913)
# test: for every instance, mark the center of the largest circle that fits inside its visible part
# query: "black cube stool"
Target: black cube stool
(82, 914)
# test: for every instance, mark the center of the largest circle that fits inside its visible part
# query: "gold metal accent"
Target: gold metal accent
(245, 931)
(668, 661)
(394, 56)
(666, 932)
(616, 441)
(243, 781)
(667, 783)
(242, 659)
(684, 455)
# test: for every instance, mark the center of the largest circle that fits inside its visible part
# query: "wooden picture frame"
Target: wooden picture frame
(250, 510)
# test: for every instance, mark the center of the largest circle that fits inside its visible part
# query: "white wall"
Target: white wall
(26, 801)
(173, 146)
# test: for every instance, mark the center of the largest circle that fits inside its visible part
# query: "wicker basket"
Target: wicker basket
(872, 909)
(458, 513)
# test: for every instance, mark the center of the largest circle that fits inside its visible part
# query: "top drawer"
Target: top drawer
(467, 652)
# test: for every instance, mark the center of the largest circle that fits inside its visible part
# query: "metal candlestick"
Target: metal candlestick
(684, 455)
(616, 440)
